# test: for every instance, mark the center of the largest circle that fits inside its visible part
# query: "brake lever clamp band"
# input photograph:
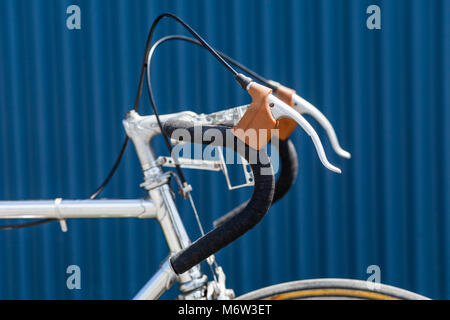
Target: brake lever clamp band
(257, 124)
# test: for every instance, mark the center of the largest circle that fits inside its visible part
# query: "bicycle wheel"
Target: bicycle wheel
(330, 289)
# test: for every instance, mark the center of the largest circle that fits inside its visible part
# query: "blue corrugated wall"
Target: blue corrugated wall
(63, 94)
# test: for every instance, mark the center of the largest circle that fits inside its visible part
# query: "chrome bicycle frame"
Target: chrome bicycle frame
(161, 206)
(156, 182)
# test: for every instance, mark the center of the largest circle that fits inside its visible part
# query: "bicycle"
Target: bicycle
(273, 114)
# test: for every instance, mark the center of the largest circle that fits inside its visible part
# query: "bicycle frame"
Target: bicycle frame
(161, 206)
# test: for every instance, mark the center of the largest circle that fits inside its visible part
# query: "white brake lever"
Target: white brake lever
(281, 110)
(302, 106)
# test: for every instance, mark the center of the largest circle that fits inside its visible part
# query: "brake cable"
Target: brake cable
(243, 81)
(226, 61)
(271, 84)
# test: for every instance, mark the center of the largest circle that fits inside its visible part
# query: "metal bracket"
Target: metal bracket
(190, 163)
(248, 174)
(153, 178)
(210, 165)
(218, 290)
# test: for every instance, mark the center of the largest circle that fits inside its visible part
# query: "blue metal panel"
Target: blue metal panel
(63, 94)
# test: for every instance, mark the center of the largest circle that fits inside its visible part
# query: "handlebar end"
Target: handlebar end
(344, 154)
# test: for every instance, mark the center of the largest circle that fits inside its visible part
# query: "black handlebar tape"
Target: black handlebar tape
(239, 224)
(285, 180)
(289, 169)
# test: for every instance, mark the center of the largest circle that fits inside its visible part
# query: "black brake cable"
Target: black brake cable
(222, 58)
(270, 84)
(204, 44)
(201, 42)
(26, 224)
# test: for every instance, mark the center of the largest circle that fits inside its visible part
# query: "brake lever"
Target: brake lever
(304, 107)
(281, 110)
